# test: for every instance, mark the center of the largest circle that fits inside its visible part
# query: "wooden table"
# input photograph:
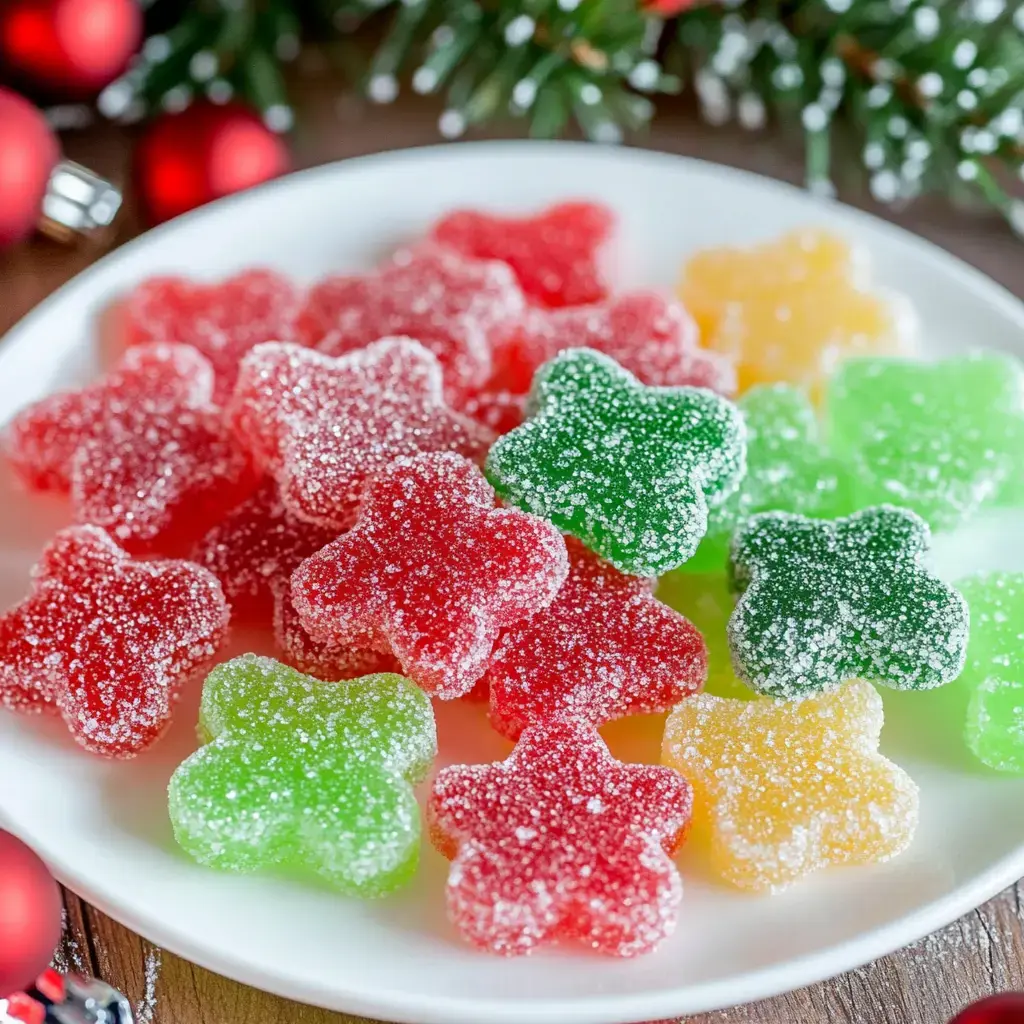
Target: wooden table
(924, 984)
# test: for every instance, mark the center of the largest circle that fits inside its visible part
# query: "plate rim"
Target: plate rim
(603, 1009)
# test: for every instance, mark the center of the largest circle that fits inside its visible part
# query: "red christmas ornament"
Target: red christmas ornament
(70, 47)
(28, 154)
(204, 153)
(30, 918)
(1007, 1008)
(666, 8)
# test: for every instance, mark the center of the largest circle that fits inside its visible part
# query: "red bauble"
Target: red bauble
(204, 153)
(666, 8)
(28, 153)
(30, 915)
(69, 47)
(1007, 1008)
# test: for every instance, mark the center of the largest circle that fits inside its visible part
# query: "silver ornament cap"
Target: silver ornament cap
(78, 203)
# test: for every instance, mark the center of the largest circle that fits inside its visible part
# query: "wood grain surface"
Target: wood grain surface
(924, 984)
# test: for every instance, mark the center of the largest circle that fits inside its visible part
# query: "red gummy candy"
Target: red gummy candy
(561, 842)
(223, 320)
(605, 648)
(254, 550)
(107, 640)
(321, 426)
(447, 302)
(555, 254)
(142, 452)
(431, 572)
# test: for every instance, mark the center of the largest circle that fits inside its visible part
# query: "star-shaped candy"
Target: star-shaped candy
(107, 641)
(825, 601)
(431, 572)
(222, 320)
(306, 777)
(561, 842)
(994, 672)
(940, 438)
(785, 788)
(788, 470)
(447, 302)
(629, 470)
(603, 649)
(556, 254)
(791, 309)
(143, 452)
(321, 426)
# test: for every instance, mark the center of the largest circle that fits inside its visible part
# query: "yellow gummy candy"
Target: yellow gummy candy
(791, 309)
(784, 788)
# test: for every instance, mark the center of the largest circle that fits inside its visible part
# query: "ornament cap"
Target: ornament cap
(78, 203)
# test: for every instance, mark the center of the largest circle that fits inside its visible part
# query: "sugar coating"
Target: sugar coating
(629, 470)
(788, 470)
(603, 649)
(495, 406)
(561, 842)
(994, 672)
(143, 452)
(306, 777)
(940, 438)
(431, 572)
(791, 309)
(254, 550)
(222, 320)
(107, 641)
(825, 601)
(556, 254)
(446, 301)
(786, 788)
(321, 426)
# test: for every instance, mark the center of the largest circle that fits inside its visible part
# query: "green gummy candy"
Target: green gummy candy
(304, 776)
(824, 601)
(628, 469)
(995, 669)
(941, 438)
(788, 470)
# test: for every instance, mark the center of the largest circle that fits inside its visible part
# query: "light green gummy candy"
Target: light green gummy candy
(307, 777)
(995, 669)
(788, 470)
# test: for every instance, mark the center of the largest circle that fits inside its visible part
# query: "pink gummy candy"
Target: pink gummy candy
(107, 641)
(556, 255)
(254, 550)
(561, 842)
(321, 426)
(142, 452)
(431, 572)
(603, 649)
(449, 303)
(222, 320)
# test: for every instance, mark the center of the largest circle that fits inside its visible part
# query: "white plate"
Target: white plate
(103, 826)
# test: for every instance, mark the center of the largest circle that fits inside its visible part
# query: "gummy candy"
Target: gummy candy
(561, 842)
(106, 641)
(431, 572)
(629, 470)
(788, 470)
(222, 320)
(604, 649)
(994, 672)
(824, 601)
(142, 451)
(321, 425)
(939, 438)
(445, 301)
(785, 788)
(791, 309)
(307, 777)
(556, 254)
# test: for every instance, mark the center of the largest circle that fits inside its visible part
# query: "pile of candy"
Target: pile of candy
(461, 475)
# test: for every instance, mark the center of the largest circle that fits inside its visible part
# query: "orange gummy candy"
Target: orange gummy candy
(791, 309)
(785, 788)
